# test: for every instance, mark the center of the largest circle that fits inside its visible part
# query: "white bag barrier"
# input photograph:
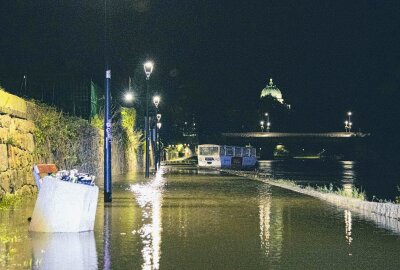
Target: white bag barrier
(64, 207)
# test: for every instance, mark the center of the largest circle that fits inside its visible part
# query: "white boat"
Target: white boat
(224, 156)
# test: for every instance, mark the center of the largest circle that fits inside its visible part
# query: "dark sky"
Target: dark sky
(327, 57)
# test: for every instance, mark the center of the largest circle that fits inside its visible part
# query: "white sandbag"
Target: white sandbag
(64, 207)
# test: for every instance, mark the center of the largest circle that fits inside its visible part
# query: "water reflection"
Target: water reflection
(265, 222)
(271, 226)
(149, 198)
(348, 227)
(106, 232)
(64, 251)
(348, 171)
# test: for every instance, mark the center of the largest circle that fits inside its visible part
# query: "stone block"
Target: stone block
(12, 104)
(24, 126)
(5, 181)
(3, 158)
(4, 134)
(29, 176)
(5, 120)
(29, 143)
(11, 156)
(20, 179)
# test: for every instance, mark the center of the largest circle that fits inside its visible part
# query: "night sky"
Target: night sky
(213, 57)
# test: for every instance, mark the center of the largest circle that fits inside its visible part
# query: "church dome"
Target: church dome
(272, 90)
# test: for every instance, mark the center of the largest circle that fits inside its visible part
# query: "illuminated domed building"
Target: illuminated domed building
(273, 91)
(273, 110)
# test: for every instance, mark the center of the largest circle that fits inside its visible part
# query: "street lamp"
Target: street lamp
(348, 124)
(148, 69)
(156, 101)
(268, 122)
(262, 125)
(129, 97)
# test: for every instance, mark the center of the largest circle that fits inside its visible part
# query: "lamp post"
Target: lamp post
(262, 125)
(158, 142)
(156, 102)
(268, 122)
(107, 140)
(148, 69)
(348, 124)
(107, 116)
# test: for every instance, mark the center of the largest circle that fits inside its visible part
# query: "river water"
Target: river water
(183, 218)
(380, 181)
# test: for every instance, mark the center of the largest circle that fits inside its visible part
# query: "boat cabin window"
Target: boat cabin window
(229, 151)
(238, 151)
(209, 150)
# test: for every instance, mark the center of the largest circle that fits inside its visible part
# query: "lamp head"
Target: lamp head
(148, 68)
(129, 97)
(159, 125)
(156, 100)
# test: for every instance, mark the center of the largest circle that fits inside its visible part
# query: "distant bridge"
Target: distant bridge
(348, 143)
(295, 135)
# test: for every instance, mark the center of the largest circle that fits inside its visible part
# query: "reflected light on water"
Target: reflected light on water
(106, 231)
(271, 226)
(348, 227)
(64, 251)
(149, 198)
(348, 171)
(265, 220)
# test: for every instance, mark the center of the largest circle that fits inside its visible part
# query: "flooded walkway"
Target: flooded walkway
(183, 218)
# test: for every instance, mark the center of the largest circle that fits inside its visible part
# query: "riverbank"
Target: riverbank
(383, 213)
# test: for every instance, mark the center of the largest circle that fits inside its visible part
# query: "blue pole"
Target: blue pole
(107, 140)
(155, 149)
(147, 126)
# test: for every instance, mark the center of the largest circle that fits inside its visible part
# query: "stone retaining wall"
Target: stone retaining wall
(16, 146)
(386, 215)
(17, 149)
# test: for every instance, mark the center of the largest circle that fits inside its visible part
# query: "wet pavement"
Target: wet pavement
(183, 218)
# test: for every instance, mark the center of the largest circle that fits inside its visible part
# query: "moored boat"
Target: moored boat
(224, 156)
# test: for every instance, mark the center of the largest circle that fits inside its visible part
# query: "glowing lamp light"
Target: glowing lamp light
(128, 97)
(148, 68)
(349, 113)
(156, 100)
(269, 123)
(262, 123)
(159, 125)
(158, 116)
